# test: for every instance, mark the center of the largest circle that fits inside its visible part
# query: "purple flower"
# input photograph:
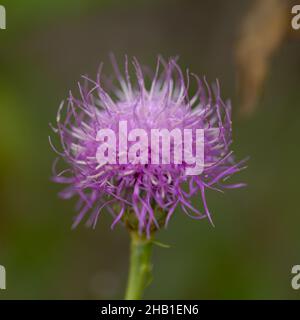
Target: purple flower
(142, 195)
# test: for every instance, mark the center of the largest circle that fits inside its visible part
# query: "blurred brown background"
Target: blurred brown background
(48, 45)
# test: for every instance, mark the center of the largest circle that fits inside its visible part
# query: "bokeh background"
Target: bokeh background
(250, 47)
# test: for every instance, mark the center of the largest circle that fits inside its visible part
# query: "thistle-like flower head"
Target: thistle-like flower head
(140, 193)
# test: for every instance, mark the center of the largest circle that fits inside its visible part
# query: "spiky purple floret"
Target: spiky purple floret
(142, 188)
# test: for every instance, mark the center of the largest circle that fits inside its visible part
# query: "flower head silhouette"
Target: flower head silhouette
(144, 196)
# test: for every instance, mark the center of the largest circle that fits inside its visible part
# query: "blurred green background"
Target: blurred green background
(47, 46)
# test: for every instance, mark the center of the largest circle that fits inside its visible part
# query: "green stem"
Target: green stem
(140, 266)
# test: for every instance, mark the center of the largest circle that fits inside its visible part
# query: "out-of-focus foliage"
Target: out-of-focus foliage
(263, 30)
